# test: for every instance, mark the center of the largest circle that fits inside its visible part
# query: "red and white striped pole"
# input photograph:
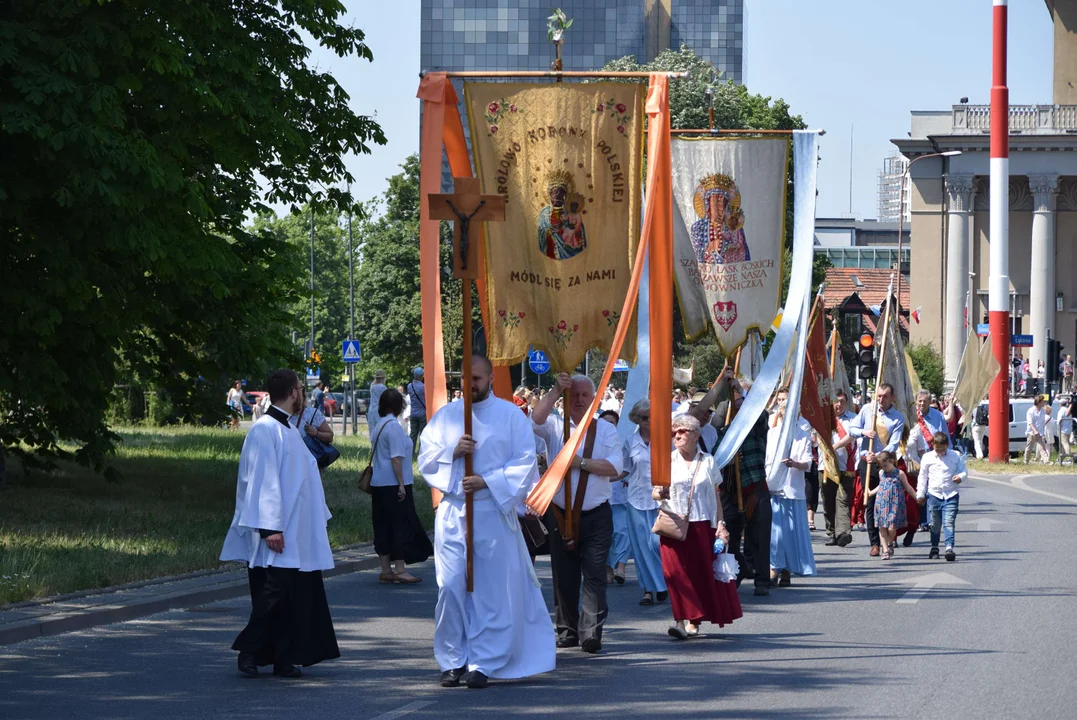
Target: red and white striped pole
(999, 288)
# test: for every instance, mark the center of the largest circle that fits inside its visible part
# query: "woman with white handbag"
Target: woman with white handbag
(689, 520)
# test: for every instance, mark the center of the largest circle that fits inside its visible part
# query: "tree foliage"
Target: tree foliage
(138, 139)
(928, 363)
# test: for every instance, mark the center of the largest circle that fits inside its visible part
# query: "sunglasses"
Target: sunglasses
(682, 431)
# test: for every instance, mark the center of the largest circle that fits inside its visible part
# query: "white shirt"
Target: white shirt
(392, 442)
(637, 462)
(309, 416)
(842, 454)
(937, 474)
(709, 435)
(788, 482)
(918, 445)
(705, 497)
(1035, 419)
(607, 447)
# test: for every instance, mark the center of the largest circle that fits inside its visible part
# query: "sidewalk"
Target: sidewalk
(78, 611)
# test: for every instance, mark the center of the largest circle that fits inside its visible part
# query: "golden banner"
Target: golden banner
(568, 160)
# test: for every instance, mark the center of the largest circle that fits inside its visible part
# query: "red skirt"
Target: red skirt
(858, 501)
(912, 509)
(688, 567)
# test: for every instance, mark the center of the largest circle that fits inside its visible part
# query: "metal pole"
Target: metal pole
(999, 284)
(351, 316)
(312, 278)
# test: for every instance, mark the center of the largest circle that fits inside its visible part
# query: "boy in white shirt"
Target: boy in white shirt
(941, 473)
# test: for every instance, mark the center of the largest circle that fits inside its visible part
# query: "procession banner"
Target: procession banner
(894, 370)
(979, 367)
(728, 233)
(817, 393)
(568, 160)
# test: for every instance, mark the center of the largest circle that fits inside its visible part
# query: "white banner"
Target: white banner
(728, 232)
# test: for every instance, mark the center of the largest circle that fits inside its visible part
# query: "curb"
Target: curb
(107, 614)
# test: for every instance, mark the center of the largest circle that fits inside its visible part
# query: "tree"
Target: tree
(927, 361)
(139, 137)
(734, 107)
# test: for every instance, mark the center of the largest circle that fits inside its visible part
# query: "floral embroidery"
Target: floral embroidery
(617, 111)
(612, 317)
(497, 110)
(562, 334)
(511, 318)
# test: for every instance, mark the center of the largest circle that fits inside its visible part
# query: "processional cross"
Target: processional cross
(464, 204)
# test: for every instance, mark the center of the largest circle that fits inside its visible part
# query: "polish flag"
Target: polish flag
(916, 316)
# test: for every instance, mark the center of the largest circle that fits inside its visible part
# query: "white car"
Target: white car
(1018, 412)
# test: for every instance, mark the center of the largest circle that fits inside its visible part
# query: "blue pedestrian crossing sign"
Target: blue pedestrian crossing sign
(538, 362)
(350, 351)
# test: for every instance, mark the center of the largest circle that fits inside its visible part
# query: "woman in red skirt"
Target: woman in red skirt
(688, 565)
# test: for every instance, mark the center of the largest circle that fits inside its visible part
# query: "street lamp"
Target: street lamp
(901, 206)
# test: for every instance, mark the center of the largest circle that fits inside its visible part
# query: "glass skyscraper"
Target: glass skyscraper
(511, 34)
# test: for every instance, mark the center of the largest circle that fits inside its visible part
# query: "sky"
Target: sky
(855, 68)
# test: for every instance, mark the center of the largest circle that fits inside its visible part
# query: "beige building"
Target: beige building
(950, 234)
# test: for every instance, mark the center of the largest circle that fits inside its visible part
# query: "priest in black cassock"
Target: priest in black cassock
(279, 530)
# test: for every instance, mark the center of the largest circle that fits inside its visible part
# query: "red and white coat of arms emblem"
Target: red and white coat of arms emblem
(725, 314)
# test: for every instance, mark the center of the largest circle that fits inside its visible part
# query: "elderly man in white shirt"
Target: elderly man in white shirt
(598, 461)
(941, 473)
(1036, 430)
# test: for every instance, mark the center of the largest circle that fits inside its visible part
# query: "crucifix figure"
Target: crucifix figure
(462, 206)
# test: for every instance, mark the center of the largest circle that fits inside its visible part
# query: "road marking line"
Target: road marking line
(404, 710)
(923, 583)
(1018, 482)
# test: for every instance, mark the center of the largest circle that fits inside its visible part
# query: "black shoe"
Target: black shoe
(761, 591)
(832, 542)
(476, 680)
(246, 665)
(844, 539)
(287, 671)
(907, 540)
(451, 678)
(661, 596)
(591, 645)
(567, 642)
(934, 554)
(950, 554)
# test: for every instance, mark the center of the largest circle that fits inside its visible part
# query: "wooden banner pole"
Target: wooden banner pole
(878, 380)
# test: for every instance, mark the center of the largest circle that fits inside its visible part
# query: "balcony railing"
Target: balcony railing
(1037, 119)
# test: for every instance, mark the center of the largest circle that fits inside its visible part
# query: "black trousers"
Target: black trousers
(837, 505)
(757, 519)
(870, 476)
(581, 568)
(734, 524)
(811, 482)
(290, 622)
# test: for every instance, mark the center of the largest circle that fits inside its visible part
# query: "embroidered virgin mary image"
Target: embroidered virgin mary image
(718, 236)
(561, 234)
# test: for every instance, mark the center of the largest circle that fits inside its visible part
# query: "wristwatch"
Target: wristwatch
(583, 464)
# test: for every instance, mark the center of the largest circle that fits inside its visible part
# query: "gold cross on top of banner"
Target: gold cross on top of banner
(464, 204)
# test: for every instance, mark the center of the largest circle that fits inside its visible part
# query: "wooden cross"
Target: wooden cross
(465, 204)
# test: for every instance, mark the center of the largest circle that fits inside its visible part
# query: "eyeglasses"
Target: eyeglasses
(682, 431)
(644, 417)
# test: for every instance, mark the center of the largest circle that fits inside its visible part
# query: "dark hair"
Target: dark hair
(839, 393)
(612, 413)
(280, 384)
(940, 437)
(886, 386)
(391, 402)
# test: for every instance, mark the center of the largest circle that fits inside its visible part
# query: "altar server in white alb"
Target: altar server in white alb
(502, 630)
(279, 530)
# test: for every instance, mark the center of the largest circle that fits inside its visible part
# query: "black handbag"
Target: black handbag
(324, 453)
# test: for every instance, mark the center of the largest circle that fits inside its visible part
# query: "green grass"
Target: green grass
(1017, 466)
(72, 530)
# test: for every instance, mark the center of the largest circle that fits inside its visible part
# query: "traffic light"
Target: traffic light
(866, 356)
(1054, 358)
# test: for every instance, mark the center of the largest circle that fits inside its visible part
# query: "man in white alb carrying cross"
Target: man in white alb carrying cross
(502, 630)
(279, 530)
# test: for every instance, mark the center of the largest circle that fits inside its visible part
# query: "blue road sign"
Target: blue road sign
(1021, 340)
(538, 362)
(620, 366)
(350, 351)
(982, 329)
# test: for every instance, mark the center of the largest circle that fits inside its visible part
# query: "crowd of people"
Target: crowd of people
(692, 543)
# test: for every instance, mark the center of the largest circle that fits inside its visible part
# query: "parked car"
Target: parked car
(256, 396)
(362, 402)
(334, 401)
(1018, 412)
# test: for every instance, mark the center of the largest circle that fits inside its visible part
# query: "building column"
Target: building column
(1041, 309)
(960, 189)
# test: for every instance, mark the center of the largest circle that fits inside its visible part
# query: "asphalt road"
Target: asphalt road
(988, 636)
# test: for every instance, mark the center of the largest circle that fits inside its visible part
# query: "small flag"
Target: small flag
(876, 310)
(916, 315)
(777, 320)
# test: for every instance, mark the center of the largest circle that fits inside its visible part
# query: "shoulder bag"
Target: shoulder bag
(367, 476)
(324, 453)
(669, 524)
